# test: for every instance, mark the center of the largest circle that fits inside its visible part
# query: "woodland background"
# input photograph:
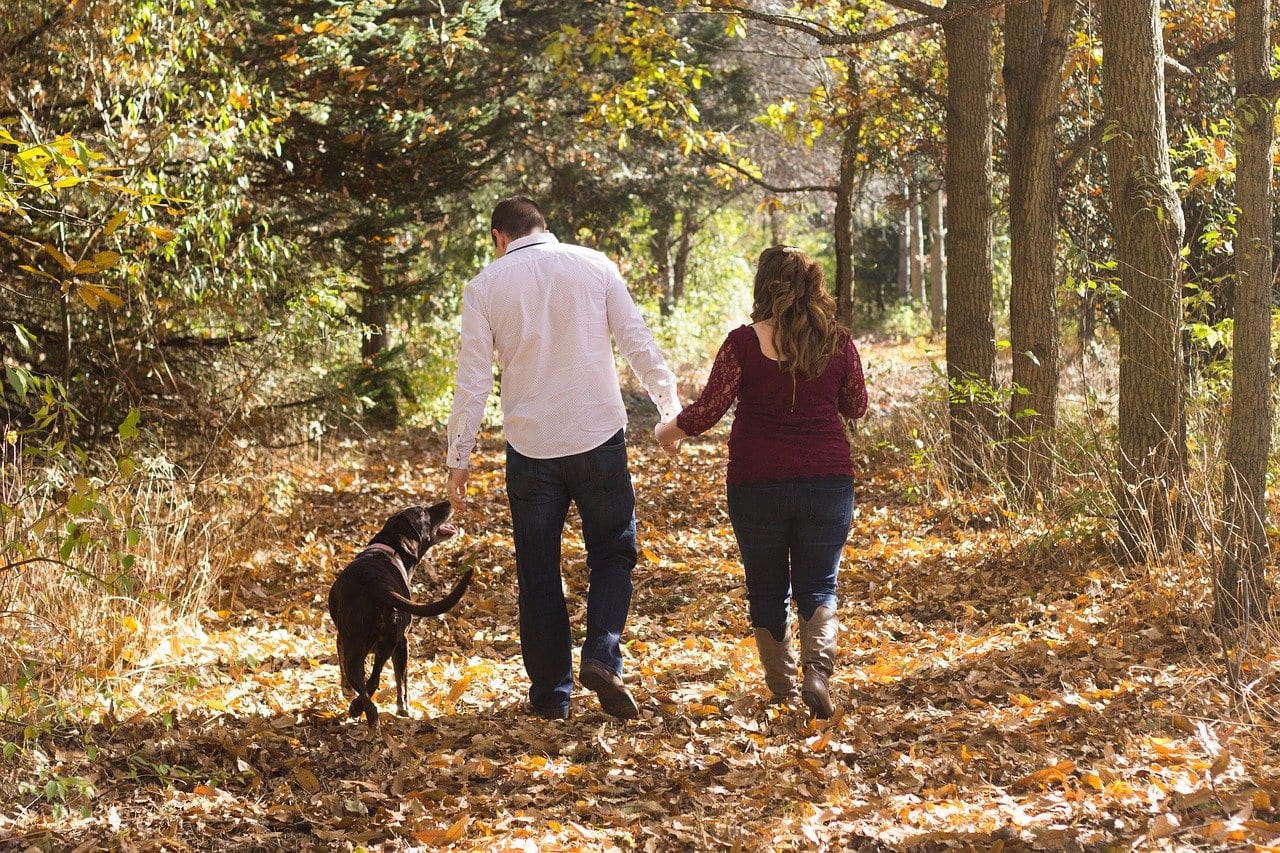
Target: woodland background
(233, 237)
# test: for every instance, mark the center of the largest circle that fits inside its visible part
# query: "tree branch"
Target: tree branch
(929, 15)
(761, 182)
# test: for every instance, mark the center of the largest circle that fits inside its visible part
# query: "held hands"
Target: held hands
(669, 436)
(458, 488)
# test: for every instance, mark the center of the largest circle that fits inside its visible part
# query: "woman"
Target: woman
(794, 373)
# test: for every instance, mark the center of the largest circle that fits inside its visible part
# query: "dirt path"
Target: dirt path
(1000, 687)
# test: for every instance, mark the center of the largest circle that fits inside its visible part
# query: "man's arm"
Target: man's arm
(637, 346)
(472, 384)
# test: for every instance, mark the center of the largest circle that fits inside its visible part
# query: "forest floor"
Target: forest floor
(1002, 685)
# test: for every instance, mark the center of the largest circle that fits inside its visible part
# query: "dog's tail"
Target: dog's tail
(434, 608)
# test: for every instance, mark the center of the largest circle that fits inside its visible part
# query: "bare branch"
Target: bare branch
(918, 7)
(771, 187)
(826, 37)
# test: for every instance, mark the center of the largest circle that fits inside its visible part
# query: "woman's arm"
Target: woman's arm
(716, 398)
(853, 392)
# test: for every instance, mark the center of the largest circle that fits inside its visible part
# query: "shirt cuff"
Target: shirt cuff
(665, 398)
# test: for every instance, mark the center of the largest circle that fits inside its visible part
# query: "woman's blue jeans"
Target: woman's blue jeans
(539, 491)
(791, 534)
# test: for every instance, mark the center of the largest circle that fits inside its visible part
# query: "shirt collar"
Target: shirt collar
(538, 239)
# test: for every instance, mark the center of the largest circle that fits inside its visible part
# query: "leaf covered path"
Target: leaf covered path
(999, 687)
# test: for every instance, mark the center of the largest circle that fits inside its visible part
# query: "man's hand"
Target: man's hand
(669, 436)
(458, 488)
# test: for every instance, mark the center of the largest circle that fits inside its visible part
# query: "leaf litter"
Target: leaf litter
(998, 688)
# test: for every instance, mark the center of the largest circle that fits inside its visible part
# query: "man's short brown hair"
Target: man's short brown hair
(518, 216)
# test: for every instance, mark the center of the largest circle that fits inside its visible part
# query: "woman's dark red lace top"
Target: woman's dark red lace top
(783, 428)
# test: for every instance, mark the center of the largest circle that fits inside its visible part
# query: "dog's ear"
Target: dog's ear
(406, 531)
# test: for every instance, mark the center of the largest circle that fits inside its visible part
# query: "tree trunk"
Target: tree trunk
(1240, 590)
(917, 246)
(684, 247)
(843, 224)
(1035, 49)
(1147, 219)
(374, 314)
(937, 264)
(904, 246)
(663, 222)
(777, 224)
(970, 335)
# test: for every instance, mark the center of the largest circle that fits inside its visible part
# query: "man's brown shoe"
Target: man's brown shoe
(615, 699)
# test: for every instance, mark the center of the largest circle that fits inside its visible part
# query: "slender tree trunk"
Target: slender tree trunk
(777, 224)
(917, 246)
(970, 335)
(663, 222)
(1241, 588)
(374, 315)
(843, 223)
(1147, 219)
(937, 264)
(684, 247)
(904, 246)
(1035, 49)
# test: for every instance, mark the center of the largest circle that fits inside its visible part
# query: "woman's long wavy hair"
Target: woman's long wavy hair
(791, 290)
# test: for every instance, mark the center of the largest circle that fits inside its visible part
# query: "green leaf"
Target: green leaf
(18, 381)
(129, 426)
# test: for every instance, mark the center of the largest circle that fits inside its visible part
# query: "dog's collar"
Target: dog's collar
(385, 549)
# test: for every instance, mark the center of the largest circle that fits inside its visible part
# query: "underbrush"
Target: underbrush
(108, 560)
(1080, 512)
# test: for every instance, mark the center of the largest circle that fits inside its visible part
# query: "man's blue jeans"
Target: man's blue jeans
(540, 490)
(790, 534)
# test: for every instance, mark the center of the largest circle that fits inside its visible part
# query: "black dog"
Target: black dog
(370, 603)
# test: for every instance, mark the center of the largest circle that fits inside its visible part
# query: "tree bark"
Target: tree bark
(1035, 49)
(904, 246)
(970, 335)
(375, 312)
(937, 264)
(684, 248)
(660, 247)
(917, 245)
(1240, 589)
(1147, 219)
(843, 224)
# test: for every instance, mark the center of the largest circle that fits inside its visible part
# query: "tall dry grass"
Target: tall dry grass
(99, 570)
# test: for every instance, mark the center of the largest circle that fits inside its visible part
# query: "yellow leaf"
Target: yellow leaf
(94, 295)
(455, 692)
(130, 624)
(457, 829)
(306, 779)
(649, 555)
(164, 235)
(99, 262)
(114, 223)
(323, 26)
(59, 256)
(1093, 780)
(40, 273)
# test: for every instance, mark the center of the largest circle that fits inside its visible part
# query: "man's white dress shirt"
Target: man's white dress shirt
(547, 309)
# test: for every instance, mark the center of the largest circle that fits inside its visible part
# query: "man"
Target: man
(548, 310)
